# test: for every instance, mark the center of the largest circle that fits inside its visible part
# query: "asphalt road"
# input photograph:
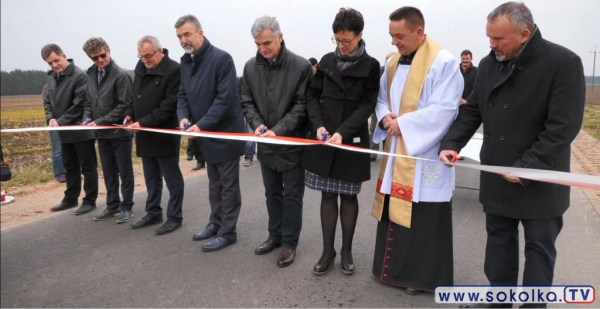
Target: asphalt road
(72, 261)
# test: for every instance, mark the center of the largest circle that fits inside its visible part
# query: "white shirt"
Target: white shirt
(424, 128)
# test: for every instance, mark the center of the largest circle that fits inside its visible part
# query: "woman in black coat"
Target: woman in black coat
(342, 96)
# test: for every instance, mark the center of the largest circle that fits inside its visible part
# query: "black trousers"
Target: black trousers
(155, 169)
(502, 250)
(224, 196)
(115, 155)
(193, 149)
(80, 158)
(284, 192)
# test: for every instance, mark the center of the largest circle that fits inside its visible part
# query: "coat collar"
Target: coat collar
(260, 60)
(526, 51)
(360, 69)
(161, 68)
(187, 58)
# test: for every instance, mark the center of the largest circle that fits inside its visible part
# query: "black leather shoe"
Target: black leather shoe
(286, 257)
(106, 214)
(62, 206)
(190, 158)
(83, 209)
(320, 270)
(411, 291)
(210, 231)
(168, 227)
(267, 246)
(125, 216)
(217, 244)
(146, 221)
(199, 166)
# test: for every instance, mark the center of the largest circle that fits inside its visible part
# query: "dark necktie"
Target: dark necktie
(100, 75)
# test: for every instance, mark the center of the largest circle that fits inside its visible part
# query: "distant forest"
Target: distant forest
(19, 82)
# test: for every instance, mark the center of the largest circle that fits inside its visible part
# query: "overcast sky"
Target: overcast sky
(27, 25)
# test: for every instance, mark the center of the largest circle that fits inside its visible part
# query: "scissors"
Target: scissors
(263, 130)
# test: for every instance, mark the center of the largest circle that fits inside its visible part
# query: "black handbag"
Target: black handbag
(6, 173)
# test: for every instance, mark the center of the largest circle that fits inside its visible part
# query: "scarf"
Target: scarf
(345, 61)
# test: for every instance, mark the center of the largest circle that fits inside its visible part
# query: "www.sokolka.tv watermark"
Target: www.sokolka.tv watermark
(556, 294)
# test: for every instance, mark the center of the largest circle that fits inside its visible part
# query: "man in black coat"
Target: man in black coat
(469, 72)
(64, 104)
(109, 92)
(529, 94)
(155, 87)
(273, 90)
(208, 101)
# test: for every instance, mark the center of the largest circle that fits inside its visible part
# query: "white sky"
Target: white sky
(27, 25)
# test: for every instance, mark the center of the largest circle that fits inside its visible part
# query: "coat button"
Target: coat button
(502, 137)
(487, 134)
(505, 105)
(490, 103)
(521, 68)
(139, 96)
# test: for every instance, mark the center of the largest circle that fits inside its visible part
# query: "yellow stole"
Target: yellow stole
(401, 193)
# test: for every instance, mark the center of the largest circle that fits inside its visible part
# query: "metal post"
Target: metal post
(594, 68)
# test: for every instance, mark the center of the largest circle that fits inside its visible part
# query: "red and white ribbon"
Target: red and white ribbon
(562, 178)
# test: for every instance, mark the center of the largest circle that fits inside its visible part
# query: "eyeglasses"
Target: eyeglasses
(147, 57)
(344, 42)
(95, 58)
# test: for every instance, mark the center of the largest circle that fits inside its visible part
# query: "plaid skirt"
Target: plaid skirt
(331, 185)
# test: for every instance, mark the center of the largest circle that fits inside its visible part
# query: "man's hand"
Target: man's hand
(127, 121)
(53, 123)
(462, 102)
(513, 179)
(182, 123)
(263, 131)
(93, 124)
(387, 120)
(132, 127)
(193, 128)
(394, 128)
(320, 132)
(448, 156)
(336, 138)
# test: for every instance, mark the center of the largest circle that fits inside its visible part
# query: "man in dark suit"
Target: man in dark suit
(155, 87)
(529, 94)
(208, 101)
(109, 92)
(273, 97)
(65, 104)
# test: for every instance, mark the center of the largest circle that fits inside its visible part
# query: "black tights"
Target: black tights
(329, 215)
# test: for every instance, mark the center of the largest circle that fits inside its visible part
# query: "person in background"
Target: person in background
(193, 150)
(469, 72)
(57, 166)
(314, 63)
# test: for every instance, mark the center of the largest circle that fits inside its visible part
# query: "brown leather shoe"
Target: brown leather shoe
(286, 257)
(267, 246)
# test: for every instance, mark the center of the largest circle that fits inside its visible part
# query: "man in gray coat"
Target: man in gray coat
(64, 104)
(529, 94)
(109, 92)
(273, 98)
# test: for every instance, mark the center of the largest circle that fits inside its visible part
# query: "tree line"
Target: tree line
(19, 82)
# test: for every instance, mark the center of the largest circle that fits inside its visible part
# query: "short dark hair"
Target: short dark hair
(348, 19)
(411, 15)
(49, 49)
(94, 45)
(313, 61)
(466, 52)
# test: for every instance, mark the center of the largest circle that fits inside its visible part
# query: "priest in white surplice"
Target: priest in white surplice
(418, 100)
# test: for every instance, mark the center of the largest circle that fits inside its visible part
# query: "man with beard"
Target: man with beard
(208, 100)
